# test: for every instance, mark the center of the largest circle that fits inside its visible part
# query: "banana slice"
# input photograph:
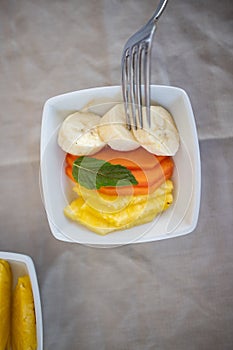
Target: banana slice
(162, 137)
(78, 134)
(114, 132)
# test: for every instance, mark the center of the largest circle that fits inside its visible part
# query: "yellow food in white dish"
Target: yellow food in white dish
(104, 214)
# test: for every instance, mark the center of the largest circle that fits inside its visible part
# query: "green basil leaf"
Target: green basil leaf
(94, 173)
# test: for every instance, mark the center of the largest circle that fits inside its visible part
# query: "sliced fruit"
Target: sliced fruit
(158, 176)
(137, 212)
(113, 130)
(78, 134)
(5, 303)
(139, 158)
(162, 137)
(148, 180)
(23, 316)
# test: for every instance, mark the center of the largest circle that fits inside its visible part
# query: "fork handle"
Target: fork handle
(158, 12)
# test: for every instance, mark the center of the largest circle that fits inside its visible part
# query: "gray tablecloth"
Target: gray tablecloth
(172, 294)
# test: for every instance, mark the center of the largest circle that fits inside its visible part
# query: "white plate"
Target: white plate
(181, 218)
(20, 266)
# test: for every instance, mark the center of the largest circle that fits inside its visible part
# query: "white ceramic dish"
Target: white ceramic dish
(21, 265)
(181, 218)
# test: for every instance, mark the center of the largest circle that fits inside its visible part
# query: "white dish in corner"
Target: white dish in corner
(181, 218)
(23, 265)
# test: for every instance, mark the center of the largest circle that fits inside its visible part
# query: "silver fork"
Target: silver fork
(135, 65)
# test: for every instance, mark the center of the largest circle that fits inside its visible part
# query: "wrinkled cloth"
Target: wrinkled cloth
(171, 294)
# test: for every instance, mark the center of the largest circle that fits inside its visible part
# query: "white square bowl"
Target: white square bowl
(181, 218)
(23, 265)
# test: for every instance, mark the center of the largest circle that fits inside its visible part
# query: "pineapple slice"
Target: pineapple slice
(121, 213)
(5, 303)
(23, 316)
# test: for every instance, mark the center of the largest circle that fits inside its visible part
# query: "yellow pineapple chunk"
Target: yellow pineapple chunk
(23, 316)
(104, 214)
(5, 303)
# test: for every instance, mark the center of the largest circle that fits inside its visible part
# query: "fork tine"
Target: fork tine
(146, 68)
(125, 87)
(139, 86)
(132, 74)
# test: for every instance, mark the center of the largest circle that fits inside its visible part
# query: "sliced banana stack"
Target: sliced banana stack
(86, 133)
(162, 137)
(78, 134)
(113, 130)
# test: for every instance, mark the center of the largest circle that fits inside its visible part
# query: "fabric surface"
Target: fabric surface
(172, 294)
